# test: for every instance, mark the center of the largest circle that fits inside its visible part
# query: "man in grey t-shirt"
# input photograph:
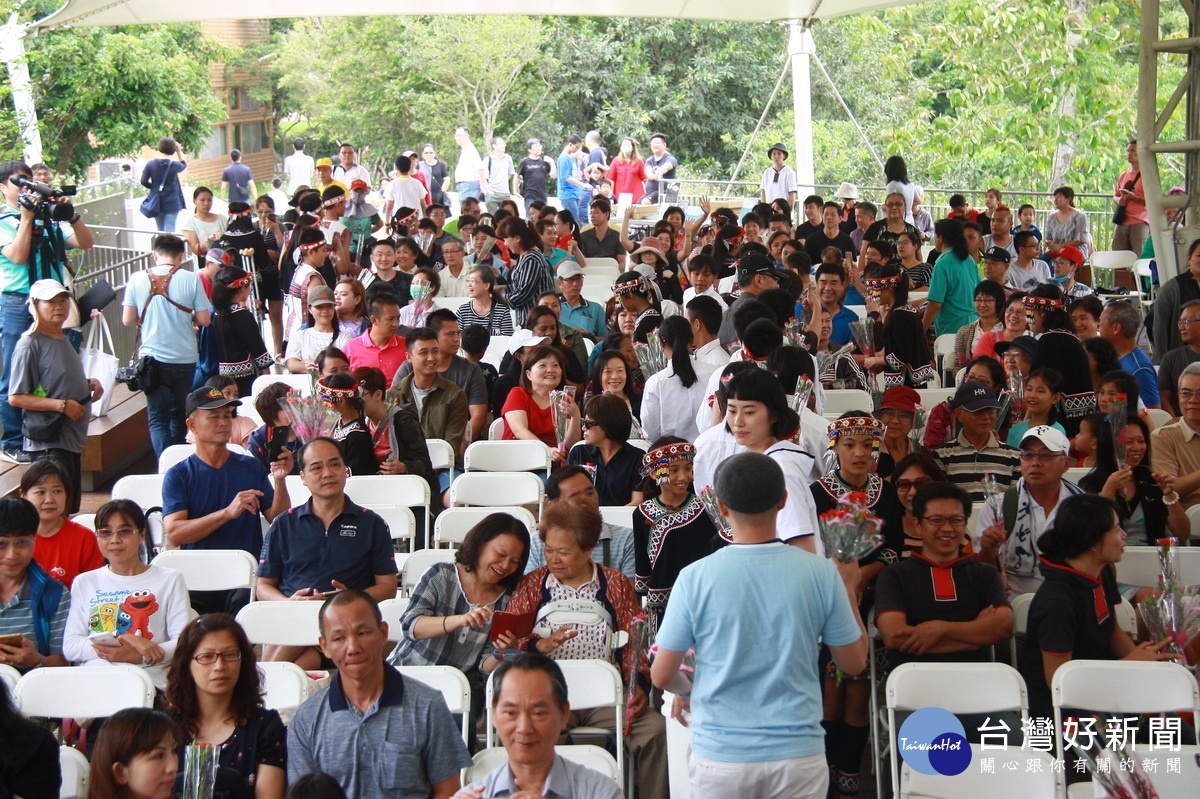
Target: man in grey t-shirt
(456, 369)
(379, 734)
(498, 170)
(44, 359)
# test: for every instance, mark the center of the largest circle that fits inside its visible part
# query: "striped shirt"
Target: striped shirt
(499, 321)
(17, 618)
(966, 466)
(439, 593)
(530, 278)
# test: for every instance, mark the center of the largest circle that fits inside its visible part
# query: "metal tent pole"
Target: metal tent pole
(12, 52)
(800, 49)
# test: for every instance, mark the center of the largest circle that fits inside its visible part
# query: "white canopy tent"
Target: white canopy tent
(798, 14)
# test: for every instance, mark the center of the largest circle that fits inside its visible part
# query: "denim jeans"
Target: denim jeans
(468, 188)
(166, 222)
(582, 209)
(165, 403)
(14, 320)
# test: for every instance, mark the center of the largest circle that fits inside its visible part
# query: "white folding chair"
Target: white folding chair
(599, 266)
(393, 612)
(840, 400)
(1145, 290)
(507, 456)
(301, 383)
(1129, 687)
(281, 623)
(391, 491)
(285, 685)
(401, 521)
(441, 454)
(497, 349)
(1020, 610)
(943, 346)
(966, 688)
(933, 396)
(177, 453)
(1193, 514)
(452, 525)
(496, 430)
(1139, 566)
(618, 515)
(92, 693)
(416, 564)
(1076, 473)
(75, 770)
(593, 757)
(640, 443)
(453, 686)
(211, 569)
(492, 489)
(10, 676)
(1159, 417)
(88, 520)
(146, 491)
(1110, 261)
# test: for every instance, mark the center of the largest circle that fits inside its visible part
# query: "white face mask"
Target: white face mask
(419, 291)
(626, 148)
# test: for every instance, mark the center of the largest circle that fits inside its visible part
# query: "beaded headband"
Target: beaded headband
(332, 201)
(334, 395)
(240, 213)
(312, 245)
(881, 283)
(1042, 303)
(642, 285)
(404, 219)
(856, 426)
(244, 280)
(657, 462)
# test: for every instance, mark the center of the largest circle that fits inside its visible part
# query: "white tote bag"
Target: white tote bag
(100, 362)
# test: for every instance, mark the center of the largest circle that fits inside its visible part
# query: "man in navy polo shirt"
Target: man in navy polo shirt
(327, 544)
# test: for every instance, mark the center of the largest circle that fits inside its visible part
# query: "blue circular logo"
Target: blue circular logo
(933, 741)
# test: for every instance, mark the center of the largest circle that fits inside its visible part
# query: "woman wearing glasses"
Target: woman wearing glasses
(215, 694)
(127, 611)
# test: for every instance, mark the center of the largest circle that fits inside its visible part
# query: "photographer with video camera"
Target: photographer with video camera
(38, 224)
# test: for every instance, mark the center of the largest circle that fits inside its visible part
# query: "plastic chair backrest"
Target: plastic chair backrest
(75, 770)
(69, 693)
(285, 685)
(87, 520)
(507, 456)
(496, 430)
(301, 383)
(146, 491)
(618, 515)
(496, 350)
(1139, 566)
(440, 453)
(416, 564)
(1020, 610)
(211, 569)
(1125, 687)
(1114, 259)
(10, 676)
(281, 623)
(840, 400)
(452, 525)
(393, 612)
(1159, 417)
(491, 489)
(1076, 473)
(453, 686)
(177, 453)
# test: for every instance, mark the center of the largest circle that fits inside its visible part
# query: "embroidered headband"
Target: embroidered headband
(856, 426)
(332, 201)
(333, 395)
(240, 213)
(657, 462)
(881, 283)
(402, 220)
(312, 245)
(642, 285)
(241, 282)
(1042, 303)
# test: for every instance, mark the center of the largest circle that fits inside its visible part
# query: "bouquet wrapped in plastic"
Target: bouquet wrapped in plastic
(804, 390)
(1174, 614)
(709, 497)
(650, 355)
(851, 531)
(827, 362)
(1118, 418)
(1016, 393)
(793, 333)
(560, 406)
(310, 417)
(1111, 777)
(200, 770)
(920, 421)
(863, 332)
(993, 495)
(639, 639)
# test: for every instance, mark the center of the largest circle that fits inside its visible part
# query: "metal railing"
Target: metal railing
(1098, 208)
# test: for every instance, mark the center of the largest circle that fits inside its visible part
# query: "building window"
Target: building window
(232, 94)
(217, 144)
(246, 102)
(250, 134)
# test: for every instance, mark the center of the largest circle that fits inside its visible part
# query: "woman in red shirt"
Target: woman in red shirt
(63, 548)
(527, 412)
(628, 171)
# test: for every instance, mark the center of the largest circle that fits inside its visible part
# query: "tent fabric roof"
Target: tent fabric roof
(97, 13)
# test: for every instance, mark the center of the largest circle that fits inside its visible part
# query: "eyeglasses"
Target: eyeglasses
(956, 522)
(1188, 322)
(1043, 457)
(19, 544)
(209, 658)
(124, 532)
(911, 485)
(1187, 394)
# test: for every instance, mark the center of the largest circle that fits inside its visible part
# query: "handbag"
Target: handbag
(100, 363)
(41, 425)
(1118, 217)
(152, 205)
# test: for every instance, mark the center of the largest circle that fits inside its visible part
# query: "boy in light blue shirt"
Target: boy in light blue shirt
(756, 717)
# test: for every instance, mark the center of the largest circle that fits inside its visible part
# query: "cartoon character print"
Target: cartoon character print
(140, 606)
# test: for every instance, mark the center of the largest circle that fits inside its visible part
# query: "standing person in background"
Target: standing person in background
(435, 172)
(161, 176)
(298, 167)
(1133, 228)
(349, 170)
(660, 171)
(204, 227)
(496, 172)
(466, 173)
(533, 175)
(921, 218)
(895, 170)
(628, 172)
(1067, 226)
(779, 181)
(952, 285)
(573, 190)
(237, 181)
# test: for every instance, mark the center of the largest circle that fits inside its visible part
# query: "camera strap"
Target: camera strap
(159, 284)
(47, 249)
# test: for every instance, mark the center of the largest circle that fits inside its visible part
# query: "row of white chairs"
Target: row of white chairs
(841, 400)
(1109, 687)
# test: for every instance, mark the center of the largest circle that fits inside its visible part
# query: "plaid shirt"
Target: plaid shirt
(440, 594)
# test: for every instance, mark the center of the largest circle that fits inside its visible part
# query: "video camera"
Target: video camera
(59, 211)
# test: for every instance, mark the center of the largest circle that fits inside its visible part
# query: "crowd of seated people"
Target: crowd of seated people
(723, 459)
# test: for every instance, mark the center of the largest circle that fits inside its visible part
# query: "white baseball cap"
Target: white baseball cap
(1054, 439)
(525, 338)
